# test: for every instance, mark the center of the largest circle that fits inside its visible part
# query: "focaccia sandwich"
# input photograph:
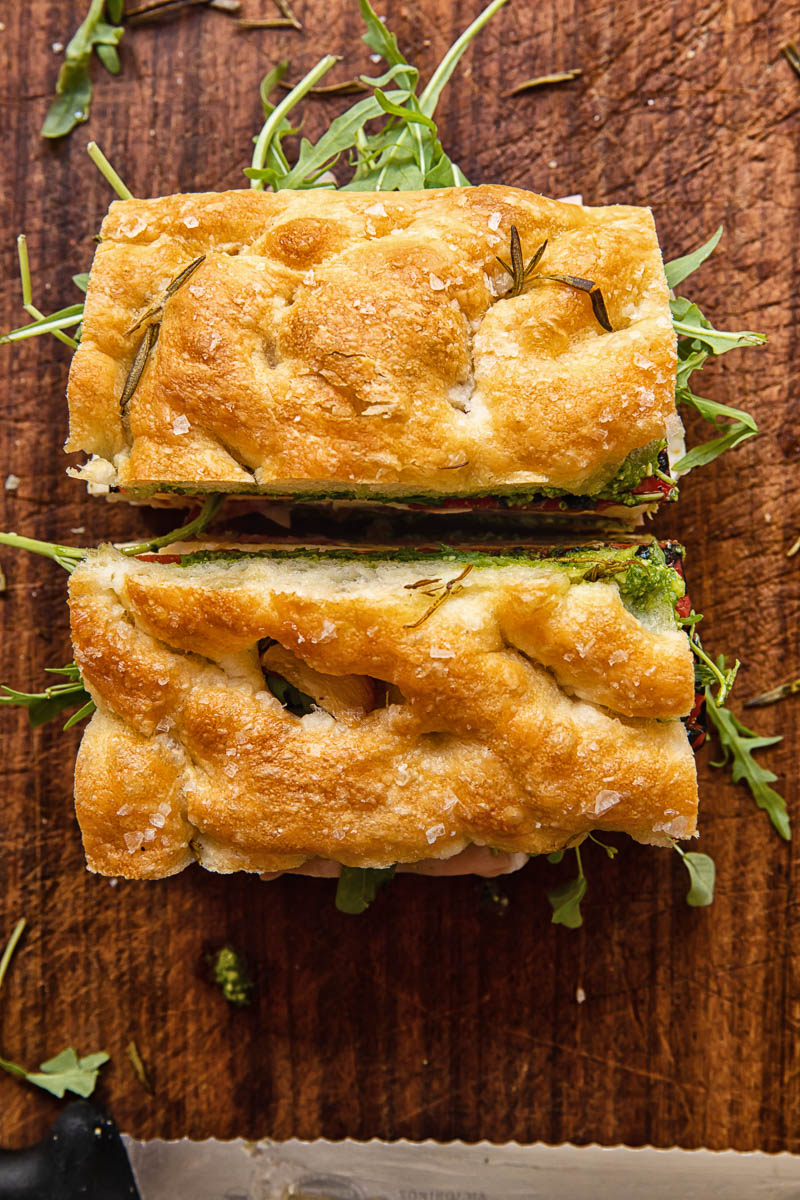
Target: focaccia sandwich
(297, 710)
(453, 346)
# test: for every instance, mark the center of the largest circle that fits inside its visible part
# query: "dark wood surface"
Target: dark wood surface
(430, 1016)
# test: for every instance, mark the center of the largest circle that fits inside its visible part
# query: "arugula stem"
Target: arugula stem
(107, 171)
(66, 556)
(280, 111)
(27, 294)
(725, 682)
(13, 1069)
(445, 69)
(691, 331)
(73, 315)
(211, 507)
(11, 946)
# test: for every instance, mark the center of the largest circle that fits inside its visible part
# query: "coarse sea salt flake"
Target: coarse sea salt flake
(158, 819)
(441, 652)
(605, 799)
(494, 221)
(437, 284)
(136, 228)
(191, 222)
(180, 424)
(12, 483)
(435, 831)
(133, 841)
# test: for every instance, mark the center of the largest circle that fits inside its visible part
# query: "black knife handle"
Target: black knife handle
(82, 1158)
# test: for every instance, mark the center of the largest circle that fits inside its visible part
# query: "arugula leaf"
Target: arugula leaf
(45, 706)
(689, 322)
(64, 1073)
(68, 1073)
(697, 342)
(566, 898)
(74, 86)
(297, 702)
(403, 153)
(358, 887)
(678, 270)
(702, 873)
(738, 744)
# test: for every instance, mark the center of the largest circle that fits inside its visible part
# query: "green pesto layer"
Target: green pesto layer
(640, 464)
(642, 572)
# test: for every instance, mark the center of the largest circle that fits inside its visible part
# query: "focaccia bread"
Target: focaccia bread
(346, 344)
(261, 711)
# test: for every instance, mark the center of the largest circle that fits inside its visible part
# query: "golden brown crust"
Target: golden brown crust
(509, 734)
(335, 339)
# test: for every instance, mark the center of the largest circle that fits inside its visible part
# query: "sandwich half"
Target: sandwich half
(452, 347)
(451, 710)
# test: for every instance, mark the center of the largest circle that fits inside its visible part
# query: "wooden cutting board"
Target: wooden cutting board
(433, 1015)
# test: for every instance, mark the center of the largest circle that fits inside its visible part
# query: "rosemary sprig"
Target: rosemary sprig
(139, 363)
(792, 56)
(154, 314)
(348, 87)
(520, 274)
(156, 10)
(440, 591)
(139, 1069)
(157, 310)
(545, 80)
(790, 688)
(517, 269)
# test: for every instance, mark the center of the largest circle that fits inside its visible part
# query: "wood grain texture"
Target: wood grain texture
(430, 1016)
